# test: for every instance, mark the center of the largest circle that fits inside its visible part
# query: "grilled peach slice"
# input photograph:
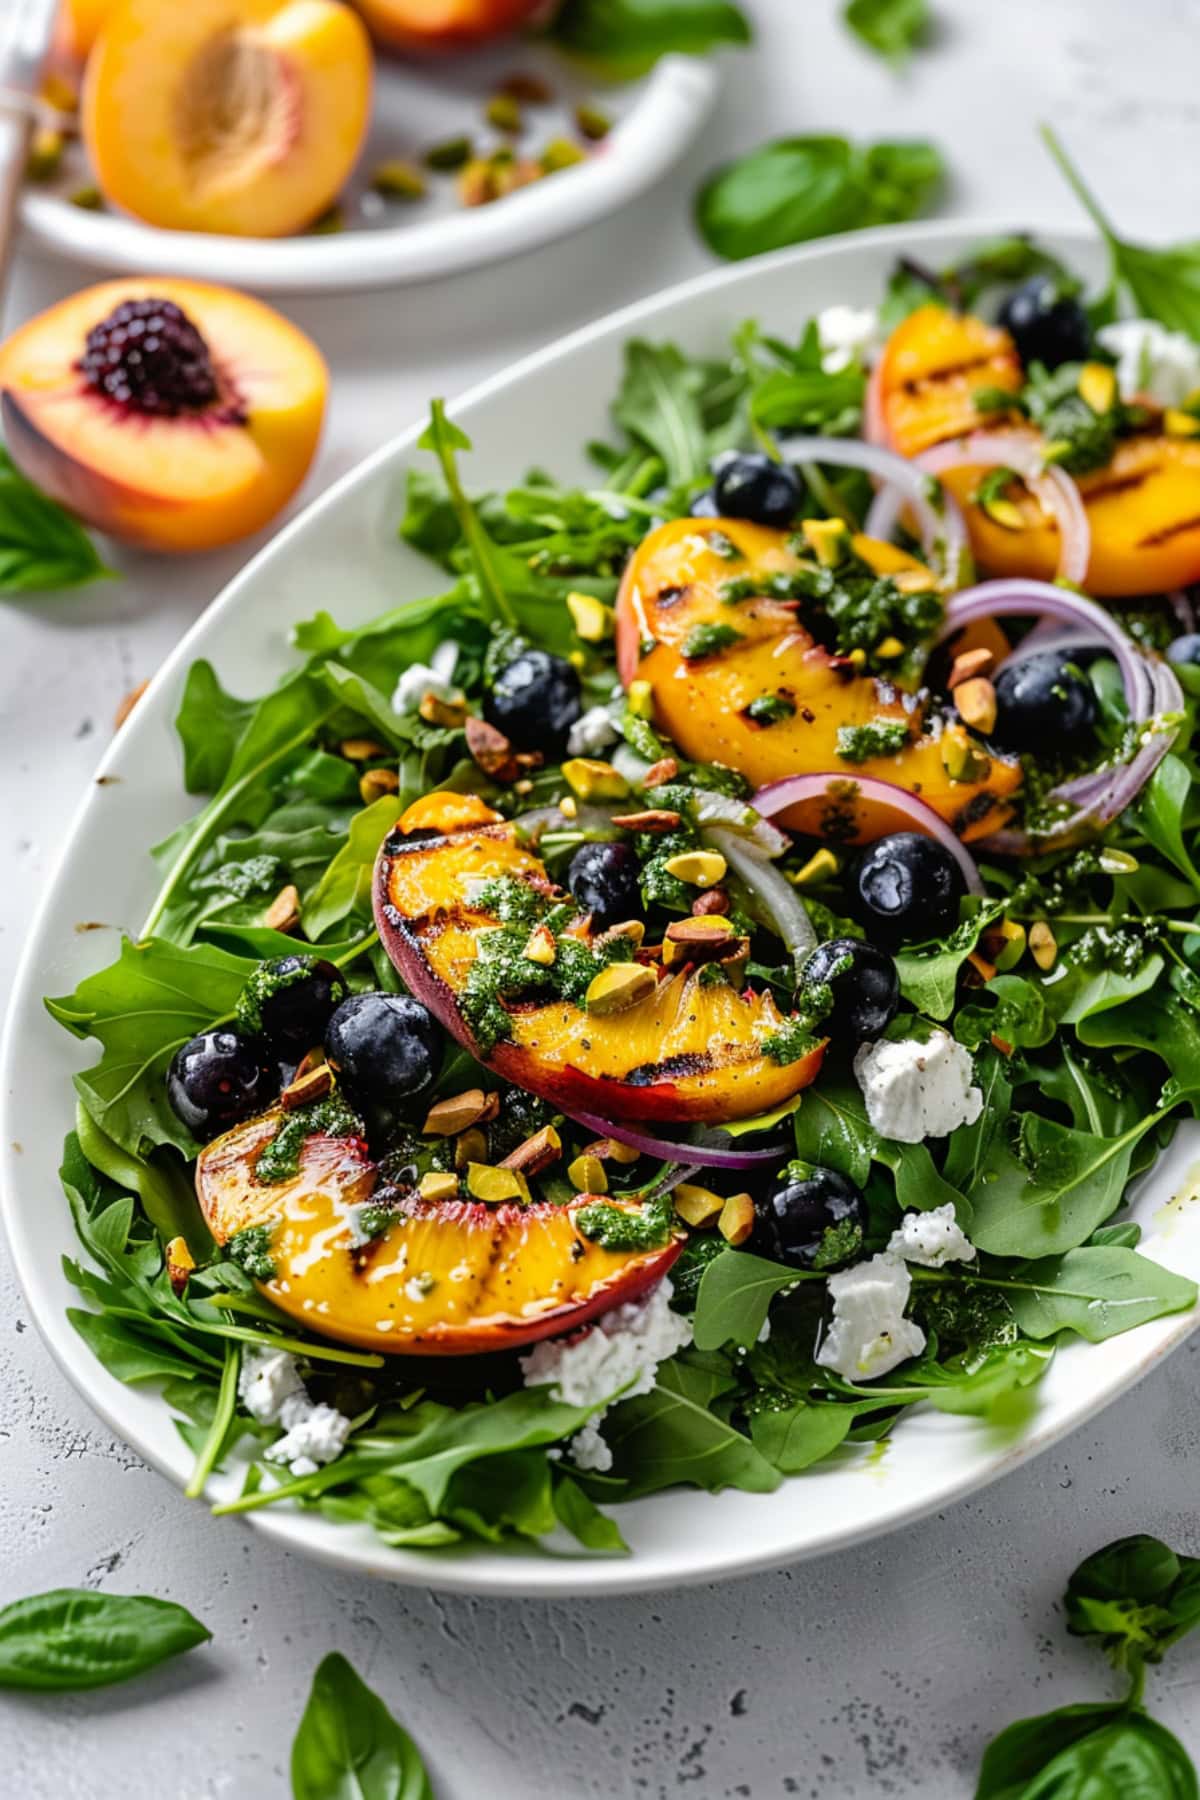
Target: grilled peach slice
(455, 1279)
(171, 414)
(931, 366)
(1143, 508)
(444, 24)
(673, 584)
(688, 1051)
(237, 116)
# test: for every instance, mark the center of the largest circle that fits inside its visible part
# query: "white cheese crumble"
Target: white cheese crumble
(592, 732)
(434, 677)
(1152, 362)
(869, 1333)
(618, 1356)
(272, 1392)
(849, 334)
(931, 1238)
(916, 1090)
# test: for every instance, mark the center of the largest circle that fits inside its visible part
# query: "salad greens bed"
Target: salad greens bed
(1085, 1070)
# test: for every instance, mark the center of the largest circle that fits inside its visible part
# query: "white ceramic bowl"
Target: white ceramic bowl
(343, 554)
(415, 105)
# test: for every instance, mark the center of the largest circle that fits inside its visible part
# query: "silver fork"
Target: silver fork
(25, 31)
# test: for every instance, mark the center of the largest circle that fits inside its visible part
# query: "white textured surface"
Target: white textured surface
(873, 1672)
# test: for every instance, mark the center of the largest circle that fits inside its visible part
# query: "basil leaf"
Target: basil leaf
(1098, 1291)
(349, 1747)
(892, 28)
(42, 548)
(1137, 1596)
(209, 722)
(1132, 1758)
(73, 1638)
(795, 189)
(735, 1294)
(142, 1008)
(628, 36)
(1019, 1753)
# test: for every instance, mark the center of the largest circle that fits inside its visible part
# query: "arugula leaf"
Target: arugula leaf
(74, 1638)
(626, 37)
(348, 1743)
(1163, 284)
(799, 188)
(734, 1297)
(659, 405)
(581, 1516)
(161, 1184)
(43, 549)
(344, 889)
(445, 439)
(978, 1383)
(1159, 814)
(832, 1130)
(1098, 1291)
(1053, 1195)
(141, 1009)
(929, 978)
(209, 723)
(795, 1437)
(892, 28)
(670, 1437)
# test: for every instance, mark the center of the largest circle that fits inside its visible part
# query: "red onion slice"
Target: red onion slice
(1019, 597)
(942, 528)
(1051, 486)
(696, 1156)
(778, 796)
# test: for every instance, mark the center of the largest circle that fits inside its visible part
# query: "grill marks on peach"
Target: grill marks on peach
(454, 1279)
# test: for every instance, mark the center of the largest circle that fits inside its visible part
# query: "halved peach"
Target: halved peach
(191, 478)
(444, 24)
(673, 583)
(240, 116)
(454, 1279)
(687, 1051)
(76, 27)
(932, 365)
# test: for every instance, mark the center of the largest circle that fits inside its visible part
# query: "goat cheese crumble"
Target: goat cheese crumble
(1152, 362)
(591, 733)
(849, 334)
(617, 1357)
(272, 1392)
(869, 1334)
(931, 1238)
(434, 677)
(916, 1090)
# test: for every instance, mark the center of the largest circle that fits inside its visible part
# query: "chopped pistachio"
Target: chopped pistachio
(495, 1185)
(541, 947)
(1098, 386)
(976, 703)
(822, 865)
(398, 180)
(45, 153)
(1043, 945)
(561, 153)
(592, 779)
(828, 539)
(698, 868)
(593, 123)
(586, 1175)
(1180, 424)
(503, 113)
(438, 1184)
(737, 1219)
(618, 986)
(453, 153)
(640, 699)
(592, 619)
(697, 1206)
(375, 783)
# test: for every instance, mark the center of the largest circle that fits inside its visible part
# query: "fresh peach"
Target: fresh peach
(449, 1279)
(444, 24)
(172, 414)
(239, 116)
(76, 28)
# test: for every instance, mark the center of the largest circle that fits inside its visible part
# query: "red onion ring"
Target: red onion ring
(943, 533)
(777, 796)
(695, 1156)
(1051, 486)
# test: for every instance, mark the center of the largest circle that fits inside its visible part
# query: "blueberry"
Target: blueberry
(1047, 326)
(810, 1218)
(289, 1000)
(1185, 650)
(908, 888)
(1043, 705)
(387, 1050)
(535, 700)
(754, 486)
(865, 993)
(218, 1079)
(604, 880)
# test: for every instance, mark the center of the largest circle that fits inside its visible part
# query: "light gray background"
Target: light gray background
(873, 1672)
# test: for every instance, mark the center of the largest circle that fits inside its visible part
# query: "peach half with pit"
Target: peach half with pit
(172, 414)
(445, 24)
(234, 116)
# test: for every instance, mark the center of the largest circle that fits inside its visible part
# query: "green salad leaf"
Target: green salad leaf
(734, 1297)
(349, 1745)
(75, 1638)
(671, 1436)
(1097, 1291)
(807, 187)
